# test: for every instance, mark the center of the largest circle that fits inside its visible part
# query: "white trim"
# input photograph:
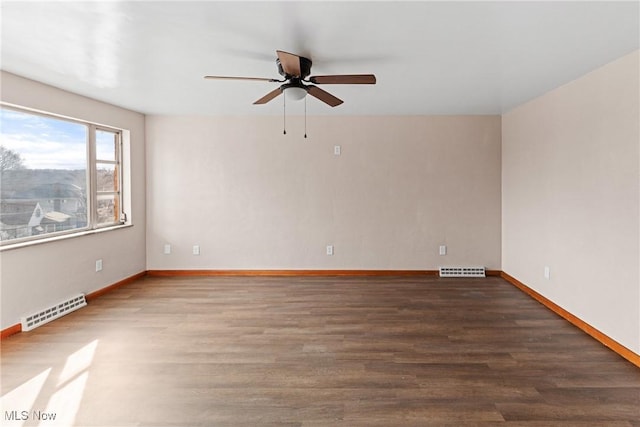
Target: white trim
(70, 235)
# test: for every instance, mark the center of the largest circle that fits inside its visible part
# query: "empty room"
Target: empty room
(319, 213)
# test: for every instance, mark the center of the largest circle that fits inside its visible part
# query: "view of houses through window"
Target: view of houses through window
(56, 175)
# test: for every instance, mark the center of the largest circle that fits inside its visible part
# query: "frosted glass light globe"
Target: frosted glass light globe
(295, 93)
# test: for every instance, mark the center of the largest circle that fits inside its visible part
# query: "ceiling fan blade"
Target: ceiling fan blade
(268, 97)
(261, 79)
(290, 63)
(323, 96)
(351, 79)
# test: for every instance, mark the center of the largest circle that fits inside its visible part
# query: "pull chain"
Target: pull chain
(284, 114)
(305, 116)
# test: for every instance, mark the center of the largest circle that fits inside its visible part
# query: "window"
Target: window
(57, 175)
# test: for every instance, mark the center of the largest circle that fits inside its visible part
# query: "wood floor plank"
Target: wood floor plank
(316, 351)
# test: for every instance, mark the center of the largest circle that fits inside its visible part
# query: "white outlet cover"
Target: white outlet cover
(443, 250)
(337, 150)
(167, 249)
(99, 265)
(196, 250)
(329, 249)
(547, 273)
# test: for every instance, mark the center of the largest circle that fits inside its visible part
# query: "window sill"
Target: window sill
(11, 246)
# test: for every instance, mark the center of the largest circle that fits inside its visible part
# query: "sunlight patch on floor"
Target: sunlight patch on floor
(16, 405)
(78, 362)
(65, 402)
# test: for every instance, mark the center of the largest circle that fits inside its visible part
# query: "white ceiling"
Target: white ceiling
(429, 57)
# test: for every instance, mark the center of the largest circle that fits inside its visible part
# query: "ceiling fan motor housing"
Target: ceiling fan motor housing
(305, 68)
(294, 83)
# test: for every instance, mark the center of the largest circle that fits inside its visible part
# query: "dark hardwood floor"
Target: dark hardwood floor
(254, 351)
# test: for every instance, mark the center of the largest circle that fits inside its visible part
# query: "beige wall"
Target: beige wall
(571, 194)
(253, 198)
(35, 277)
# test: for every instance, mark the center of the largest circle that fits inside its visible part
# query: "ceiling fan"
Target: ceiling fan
(295, 69)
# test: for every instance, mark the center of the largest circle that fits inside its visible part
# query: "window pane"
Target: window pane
(107, 177)
(108, 209)
(106, 145)
(43, 175)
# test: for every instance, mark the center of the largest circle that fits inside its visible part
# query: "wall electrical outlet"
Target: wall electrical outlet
(196, 249)
(99, 265)
(337, 150)
(329, 249)
(167, 249)
(443, 250)
(547, 272)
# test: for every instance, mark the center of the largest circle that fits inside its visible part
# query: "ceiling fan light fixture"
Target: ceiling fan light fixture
(294, 93)
(295, 69)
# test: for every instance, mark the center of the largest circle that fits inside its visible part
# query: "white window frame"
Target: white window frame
(122, 176)
(93, 184)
